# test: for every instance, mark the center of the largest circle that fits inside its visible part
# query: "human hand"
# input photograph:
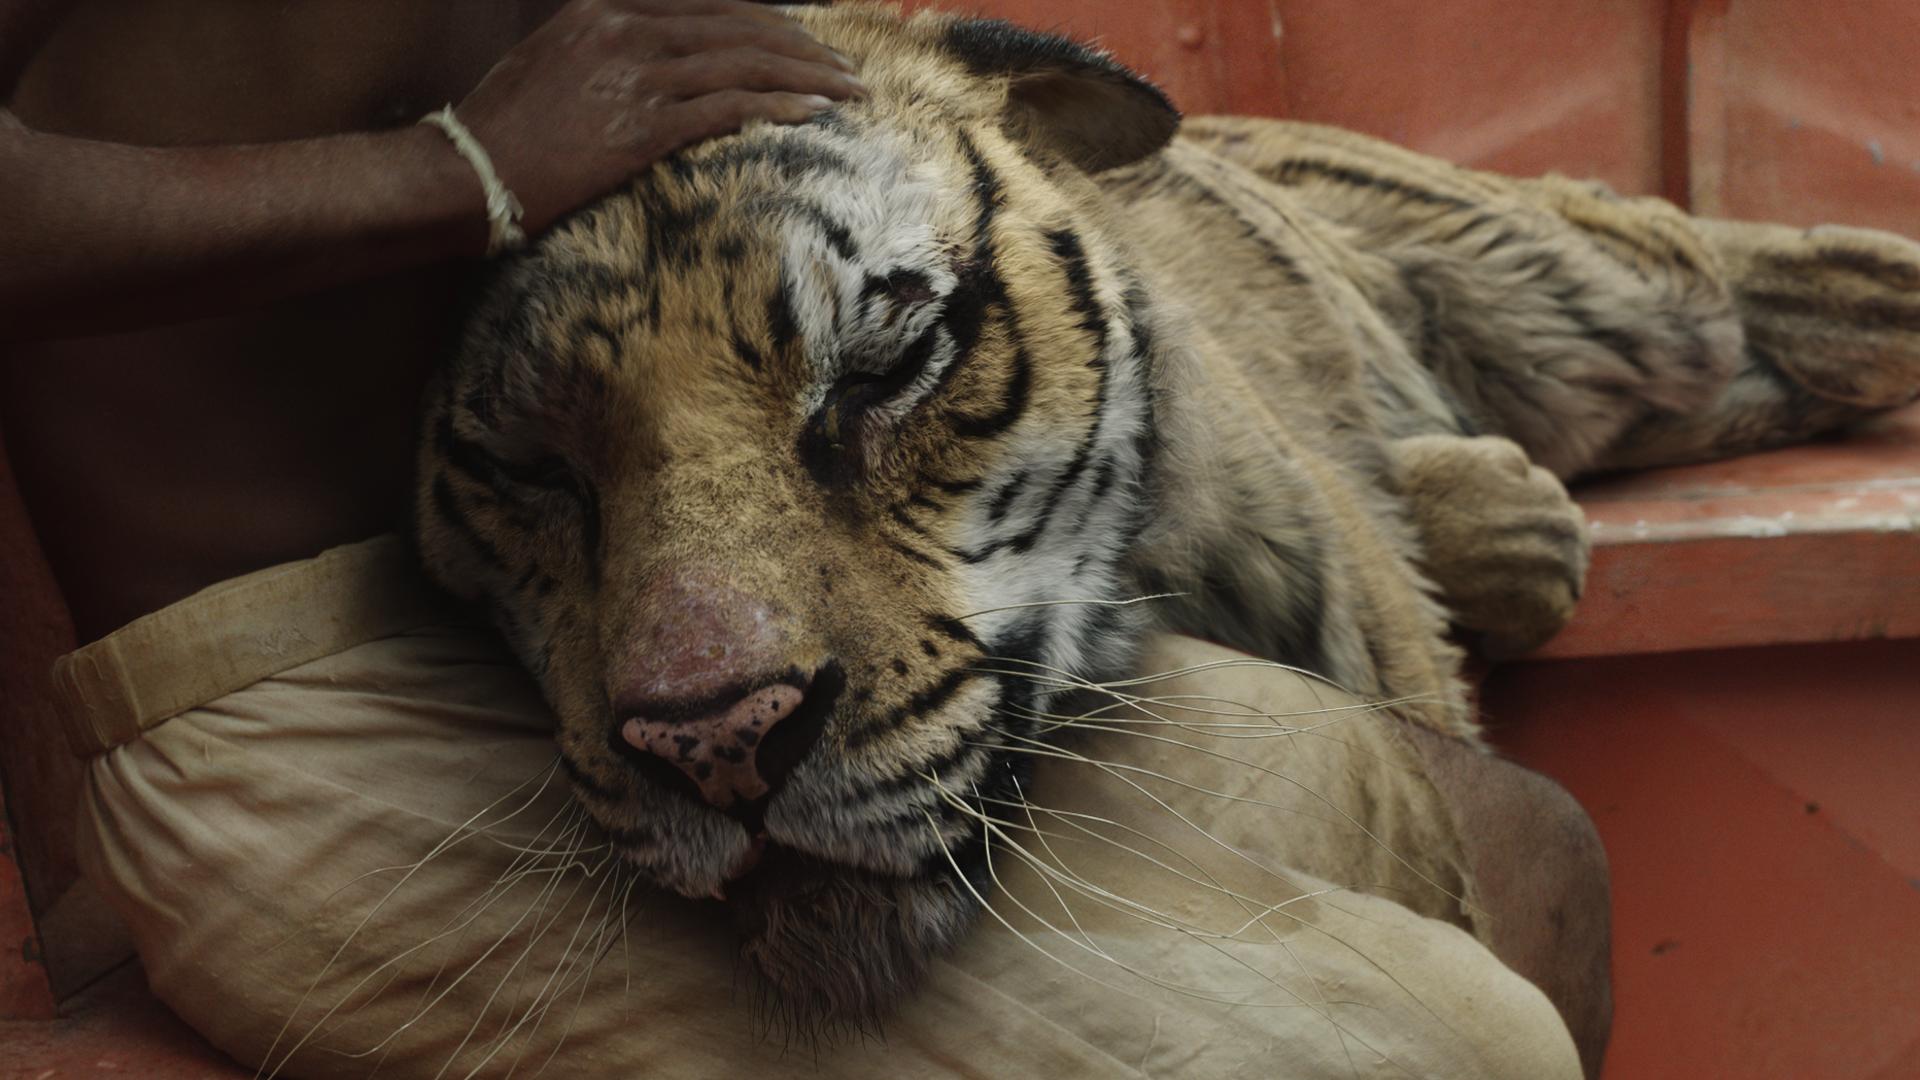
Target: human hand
(608, 87)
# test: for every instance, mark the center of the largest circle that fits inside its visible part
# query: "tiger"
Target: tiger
(758, 462)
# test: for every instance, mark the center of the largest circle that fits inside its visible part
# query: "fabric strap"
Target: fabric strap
(236, 633)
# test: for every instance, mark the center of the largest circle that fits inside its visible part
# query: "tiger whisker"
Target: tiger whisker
(1080, 884)
(1062, 679)
(559, 979)
(1296, 784)
(539, 932)
(453, 838)
(620, 927)
(1041, 749)
(460, 832)
(1200, 993)
(1134, 908)
(500, 888)
(1158, 918)
(1239, 710)
(1070, 603)
(1054, 721)
(1320, 1006)
(1212, 883)
(961, 877)
(1176, 673)
(1115, 770)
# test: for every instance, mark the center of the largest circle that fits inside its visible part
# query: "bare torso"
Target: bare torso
(155, 463)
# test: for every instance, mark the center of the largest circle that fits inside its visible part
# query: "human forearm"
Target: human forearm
(96, 237)
(100, 236)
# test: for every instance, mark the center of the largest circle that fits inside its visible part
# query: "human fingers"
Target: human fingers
(751, 69)
(725, 111)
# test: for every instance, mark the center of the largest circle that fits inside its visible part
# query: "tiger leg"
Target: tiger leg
(1832, 333)
(1499, 536)
(1550, 312)
(1598, 331)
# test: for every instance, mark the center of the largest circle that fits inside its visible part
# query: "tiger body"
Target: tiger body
(871, 422)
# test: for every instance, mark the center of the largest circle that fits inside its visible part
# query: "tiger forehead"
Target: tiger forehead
(759, 242)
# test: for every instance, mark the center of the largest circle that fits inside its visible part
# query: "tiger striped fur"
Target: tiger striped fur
(897, 382)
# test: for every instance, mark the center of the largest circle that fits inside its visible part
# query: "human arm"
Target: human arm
(102, 236)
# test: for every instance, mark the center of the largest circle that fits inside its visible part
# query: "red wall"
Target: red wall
(1783, 109)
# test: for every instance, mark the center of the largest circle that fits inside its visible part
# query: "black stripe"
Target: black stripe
(956, 630)
(1618, 342)
(906, 521)
(1292, 170)
(1013, 402)
(594, 328)
(1868, 314)
(1057, 491)
(907, 287)
(1890, 273)
(1652, 247)
(745, 351)
(1067, 249)
(1002, 500)
(549, 472)
(837, 235)
(958, 487)
(449, 510)
(1281, 260)
(586, 782)
(591, 539)
(926, 701)
(782, 327)
(1082, 455)
(1474, 224)
(673, 229)
(965, 314)
(792, 158)
(944, 762)
(987, 192)
(917, 556)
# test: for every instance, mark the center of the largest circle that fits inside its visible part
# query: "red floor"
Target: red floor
(1762, 815)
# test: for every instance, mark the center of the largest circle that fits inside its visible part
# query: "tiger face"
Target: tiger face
(775, 468)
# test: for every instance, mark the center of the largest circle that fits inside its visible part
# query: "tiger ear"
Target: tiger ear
(1070, 98)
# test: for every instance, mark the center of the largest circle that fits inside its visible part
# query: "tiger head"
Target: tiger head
(774, 470)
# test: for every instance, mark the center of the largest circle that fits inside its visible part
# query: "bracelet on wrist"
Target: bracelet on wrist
(503, 210)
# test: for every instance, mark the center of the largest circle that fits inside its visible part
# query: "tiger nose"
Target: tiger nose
(737, 748)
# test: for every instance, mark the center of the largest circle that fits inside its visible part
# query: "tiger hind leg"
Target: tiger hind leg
(1595, 330)
(1831, 323)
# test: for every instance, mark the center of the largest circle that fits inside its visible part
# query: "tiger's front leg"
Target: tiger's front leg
(1500, 536)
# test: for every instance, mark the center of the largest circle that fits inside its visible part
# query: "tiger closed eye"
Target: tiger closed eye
(549, 472)
(847, 397)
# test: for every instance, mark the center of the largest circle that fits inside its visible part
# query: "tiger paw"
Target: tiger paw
(1500, 536)
(1837, 309)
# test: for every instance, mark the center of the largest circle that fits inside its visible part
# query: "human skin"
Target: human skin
(232, 254)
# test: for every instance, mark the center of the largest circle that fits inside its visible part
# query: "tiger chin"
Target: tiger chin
(805, 474)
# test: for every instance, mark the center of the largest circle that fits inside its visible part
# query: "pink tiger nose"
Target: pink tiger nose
(727, 748)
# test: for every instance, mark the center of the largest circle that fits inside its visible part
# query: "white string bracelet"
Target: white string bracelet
(503, 210)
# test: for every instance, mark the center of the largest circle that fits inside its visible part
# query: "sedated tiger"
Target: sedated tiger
(756, 462)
